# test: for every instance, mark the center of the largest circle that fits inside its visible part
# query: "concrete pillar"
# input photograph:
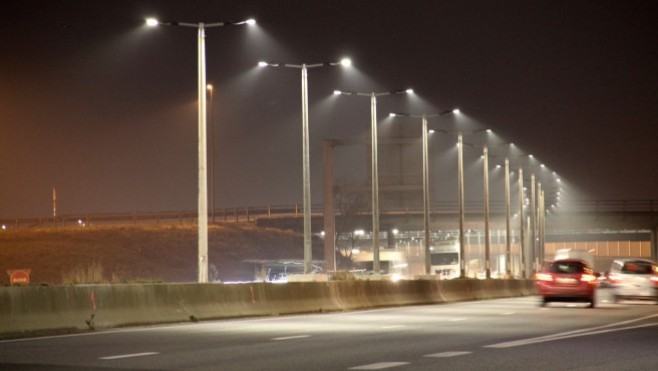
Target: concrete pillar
(329, 208)
(654, 243)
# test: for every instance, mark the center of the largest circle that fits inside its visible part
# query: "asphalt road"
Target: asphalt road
(504, 334)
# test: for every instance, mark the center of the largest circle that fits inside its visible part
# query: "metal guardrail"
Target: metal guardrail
(252, 213)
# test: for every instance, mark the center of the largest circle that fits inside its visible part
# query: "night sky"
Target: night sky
(103, 109)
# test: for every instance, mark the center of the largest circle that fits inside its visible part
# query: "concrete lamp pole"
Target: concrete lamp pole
(426, 196)
(202, 139)
(375, 175)
(308, 252)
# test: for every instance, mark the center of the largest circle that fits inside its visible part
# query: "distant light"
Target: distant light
(359, 232)
(558, 180)
(431, 131)
(409, 91)
(395, 231)
(4, 227)
(356, 251)
(498, 166)
(531, 156)
(456, 111)
(337, 92)
(542, 165)
(346, 62)
(262, 64)
(489, 131)
(392, 114)
(152, 22)
(322, 233)
(209, 87)
(251, 21)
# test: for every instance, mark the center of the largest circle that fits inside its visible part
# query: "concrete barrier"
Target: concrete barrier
(40, 310)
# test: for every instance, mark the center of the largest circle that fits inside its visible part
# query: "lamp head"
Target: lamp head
(152, 22)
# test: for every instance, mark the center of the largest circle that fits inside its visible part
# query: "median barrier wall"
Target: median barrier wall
(37, 310)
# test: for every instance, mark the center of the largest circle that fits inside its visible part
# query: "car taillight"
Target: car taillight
(543, 277)
(588, 278)
(654, 280)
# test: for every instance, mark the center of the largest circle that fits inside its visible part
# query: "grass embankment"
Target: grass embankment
(139, 253)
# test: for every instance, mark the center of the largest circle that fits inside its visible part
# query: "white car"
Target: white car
(634, 279)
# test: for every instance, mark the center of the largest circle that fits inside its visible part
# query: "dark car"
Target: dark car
(568, 280)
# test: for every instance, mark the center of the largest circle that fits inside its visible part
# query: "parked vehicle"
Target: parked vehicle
(634, 279)
(445, 259)
(568, 280)
(393, 264)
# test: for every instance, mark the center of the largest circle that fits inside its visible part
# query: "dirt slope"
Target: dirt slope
(132, 253)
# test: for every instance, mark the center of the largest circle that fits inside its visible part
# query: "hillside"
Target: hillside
(132, 253)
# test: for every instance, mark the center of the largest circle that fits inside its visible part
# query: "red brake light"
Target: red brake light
(588, 278)
(654, 279)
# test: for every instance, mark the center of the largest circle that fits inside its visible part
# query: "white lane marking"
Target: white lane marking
(379, 366)
(393, 326)
(292, 337)
(447, 354)
(517, 343)
(575, 333)
(130, 355)
(456, 319)
(507, 313)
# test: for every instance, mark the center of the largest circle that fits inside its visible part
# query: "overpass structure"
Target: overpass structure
(608, 229)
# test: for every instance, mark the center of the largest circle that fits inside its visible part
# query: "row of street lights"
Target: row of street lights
(202, 163)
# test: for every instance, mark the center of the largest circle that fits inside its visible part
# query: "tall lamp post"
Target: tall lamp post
(202, 153)
(485, 176)
(308, 252)
(426, 196)
(375, 175)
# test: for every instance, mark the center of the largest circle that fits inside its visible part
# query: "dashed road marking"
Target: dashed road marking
(447, 354)
(379, 366)
(291, 337)
(129, 355)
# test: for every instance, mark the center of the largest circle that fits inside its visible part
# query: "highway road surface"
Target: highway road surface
(503, 334)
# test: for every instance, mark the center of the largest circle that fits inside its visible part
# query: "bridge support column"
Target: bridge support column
(329, 210)
(654, 243)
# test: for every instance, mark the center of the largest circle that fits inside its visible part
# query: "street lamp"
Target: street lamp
(460, 193)
(375, 175)
(308, 252)
(202, 154)
(426, 196)
(485, 176)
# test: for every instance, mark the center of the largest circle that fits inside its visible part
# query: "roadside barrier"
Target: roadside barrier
(42, 310)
